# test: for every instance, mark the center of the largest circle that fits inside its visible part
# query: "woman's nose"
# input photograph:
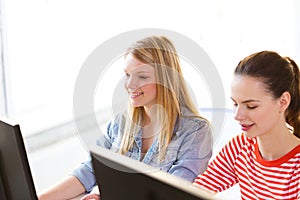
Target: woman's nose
(239, 113)
(131, 83)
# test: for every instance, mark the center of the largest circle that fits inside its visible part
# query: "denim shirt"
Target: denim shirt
(187, 154)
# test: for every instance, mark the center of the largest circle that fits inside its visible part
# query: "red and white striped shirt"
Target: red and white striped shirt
(240, 162)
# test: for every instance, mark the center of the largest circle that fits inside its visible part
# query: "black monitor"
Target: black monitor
(120, 177)
(15, 176)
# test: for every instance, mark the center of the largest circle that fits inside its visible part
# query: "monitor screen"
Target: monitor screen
(16, 179)
(120, 177)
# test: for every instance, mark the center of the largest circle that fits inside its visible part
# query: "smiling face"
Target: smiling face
(140, 82)
(256, 110)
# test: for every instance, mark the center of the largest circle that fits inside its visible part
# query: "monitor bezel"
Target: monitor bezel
(103, 158)
(15, 171)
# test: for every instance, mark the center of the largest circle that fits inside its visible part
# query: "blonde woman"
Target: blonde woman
(161, 127)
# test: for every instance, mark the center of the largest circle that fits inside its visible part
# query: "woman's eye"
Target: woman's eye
(143, 77)
(251, 107)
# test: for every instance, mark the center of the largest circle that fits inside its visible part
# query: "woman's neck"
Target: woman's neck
(276, 144)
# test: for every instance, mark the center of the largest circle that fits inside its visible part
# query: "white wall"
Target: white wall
(46, 42)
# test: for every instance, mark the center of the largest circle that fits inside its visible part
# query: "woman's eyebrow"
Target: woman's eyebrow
(143, 72)
(247, 101)
(250, 101)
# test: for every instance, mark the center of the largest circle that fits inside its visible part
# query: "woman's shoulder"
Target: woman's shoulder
(194, 120)
(117, 122)
(193, 123)
(189, 117)
(241, 141)
(117, 118)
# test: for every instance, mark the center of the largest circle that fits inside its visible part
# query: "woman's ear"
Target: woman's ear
(284, 101)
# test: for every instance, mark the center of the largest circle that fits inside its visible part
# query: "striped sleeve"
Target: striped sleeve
(220, 174)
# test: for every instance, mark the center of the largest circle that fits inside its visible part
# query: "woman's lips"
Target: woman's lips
(246, 127)
(136, 94)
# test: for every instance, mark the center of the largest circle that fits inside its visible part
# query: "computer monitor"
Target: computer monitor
(120, 177)
(16, 179)
(2, 190)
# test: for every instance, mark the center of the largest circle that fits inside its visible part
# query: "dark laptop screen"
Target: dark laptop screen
(15, 173)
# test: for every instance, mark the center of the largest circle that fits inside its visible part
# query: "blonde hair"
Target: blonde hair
(172, 92)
